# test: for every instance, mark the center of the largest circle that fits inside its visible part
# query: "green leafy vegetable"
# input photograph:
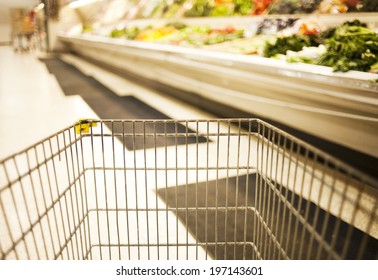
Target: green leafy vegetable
(243, 7)
(295, 43)
(129, 33)
(222, 10)
(351, 47)
(200, 8)
(87, 29)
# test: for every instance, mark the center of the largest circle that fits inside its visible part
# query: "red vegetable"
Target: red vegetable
(260, 6)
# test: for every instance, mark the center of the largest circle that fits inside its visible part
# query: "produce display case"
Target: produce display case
(340, 107)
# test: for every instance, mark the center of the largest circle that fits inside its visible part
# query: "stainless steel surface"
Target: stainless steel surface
(86, 196)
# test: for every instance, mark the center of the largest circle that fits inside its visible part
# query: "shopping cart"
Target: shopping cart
(190, 189)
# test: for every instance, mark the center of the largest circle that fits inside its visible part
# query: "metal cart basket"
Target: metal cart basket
(190, 189)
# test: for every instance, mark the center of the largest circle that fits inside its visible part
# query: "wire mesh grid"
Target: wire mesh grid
(191, 189)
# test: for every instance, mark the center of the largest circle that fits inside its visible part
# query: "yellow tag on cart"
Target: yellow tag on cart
(83, 126)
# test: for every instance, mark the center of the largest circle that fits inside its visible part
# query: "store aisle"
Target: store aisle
(109, 105)
(32, 105)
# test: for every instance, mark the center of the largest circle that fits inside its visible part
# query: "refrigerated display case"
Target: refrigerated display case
(339, 107)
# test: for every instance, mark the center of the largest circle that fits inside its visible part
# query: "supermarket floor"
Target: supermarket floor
(33, 105)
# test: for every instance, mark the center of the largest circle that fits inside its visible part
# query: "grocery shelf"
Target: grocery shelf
(339, 107)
